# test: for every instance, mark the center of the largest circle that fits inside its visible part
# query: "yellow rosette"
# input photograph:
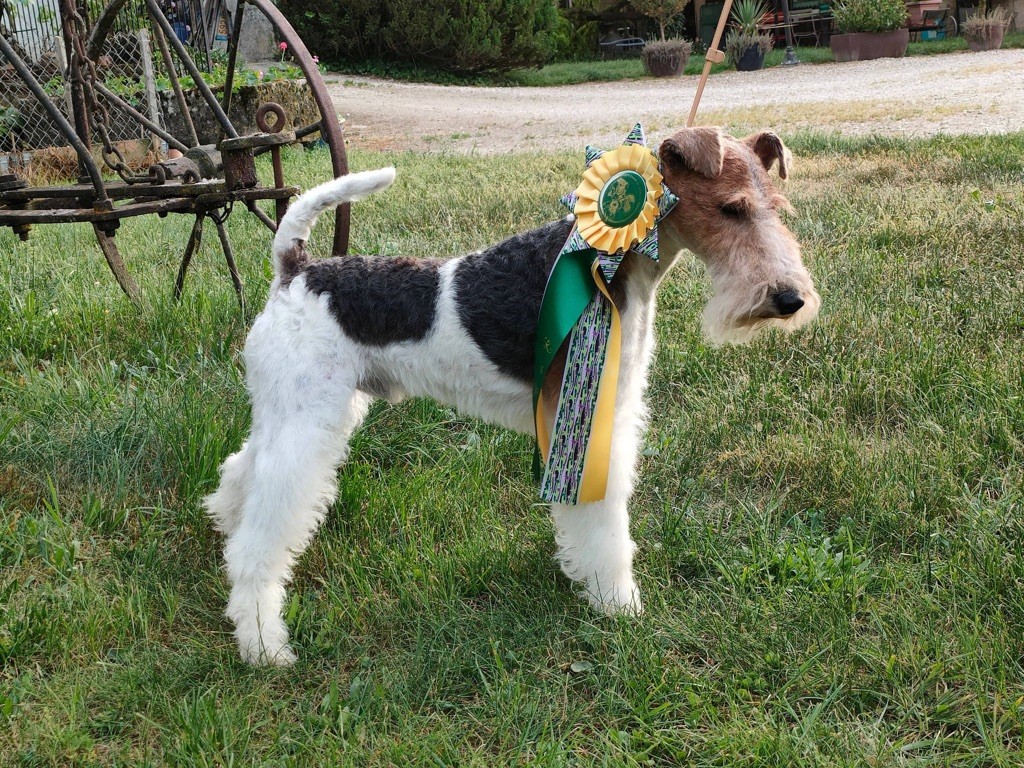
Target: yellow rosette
(617, 201)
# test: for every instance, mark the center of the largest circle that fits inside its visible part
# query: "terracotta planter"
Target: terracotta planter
(991, 41)
(863, 46)
(915, 11)
(751, 60)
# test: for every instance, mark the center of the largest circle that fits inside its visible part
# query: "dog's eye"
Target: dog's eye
(733, 211)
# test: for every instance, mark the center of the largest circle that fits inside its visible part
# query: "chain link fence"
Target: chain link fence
(33, 27)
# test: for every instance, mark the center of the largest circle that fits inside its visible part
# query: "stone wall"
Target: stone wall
(293, 95)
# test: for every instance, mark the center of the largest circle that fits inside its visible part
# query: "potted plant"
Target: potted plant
(664, 58)
(869, 29)
(984, 30)
(746, 45)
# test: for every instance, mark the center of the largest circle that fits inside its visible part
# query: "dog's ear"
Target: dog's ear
(768, 147)
(696, 149)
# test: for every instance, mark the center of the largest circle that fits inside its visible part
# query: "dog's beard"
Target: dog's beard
(738, 316)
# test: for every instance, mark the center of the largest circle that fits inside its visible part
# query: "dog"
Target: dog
(338, 333)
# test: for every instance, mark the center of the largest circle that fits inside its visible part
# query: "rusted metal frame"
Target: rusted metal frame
(229, 257)
(17, 217)
(68, 216)
(205, 190)
(101, 28)
(60, 122)
(194, 241)
(259, 214)
(299, 134)
(275, 131)
(75, 82)
(116, 191)
(172, 74)
(330, 128)
(127, 108)
(241, 195)
(116, 264)
(236, 33)
(280, 206)
(186, 60)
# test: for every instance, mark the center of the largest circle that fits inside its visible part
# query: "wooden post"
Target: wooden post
(713, 56)
(150, 82)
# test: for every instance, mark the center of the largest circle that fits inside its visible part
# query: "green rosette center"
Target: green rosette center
(622, 198)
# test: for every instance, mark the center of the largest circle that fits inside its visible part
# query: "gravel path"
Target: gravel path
(918, 96)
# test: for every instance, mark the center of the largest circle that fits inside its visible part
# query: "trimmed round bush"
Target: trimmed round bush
(870, 15)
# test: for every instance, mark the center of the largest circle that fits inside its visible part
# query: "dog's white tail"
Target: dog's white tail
(302, 214)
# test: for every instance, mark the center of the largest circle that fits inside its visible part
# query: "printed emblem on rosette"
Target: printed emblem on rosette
(616, 204)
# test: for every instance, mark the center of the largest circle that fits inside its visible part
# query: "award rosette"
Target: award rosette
(618, 205)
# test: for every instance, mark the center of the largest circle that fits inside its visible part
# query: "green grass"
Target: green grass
(830, 524)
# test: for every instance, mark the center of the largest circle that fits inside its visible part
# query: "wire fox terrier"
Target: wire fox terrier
(337, 333)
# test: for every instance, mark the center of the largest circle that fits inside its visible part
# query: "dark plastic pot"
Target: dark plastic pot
(864, 46)
(751, 60)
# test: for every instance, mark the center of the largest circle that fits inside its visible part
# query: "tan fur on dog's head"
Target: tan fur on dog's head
(728, 216)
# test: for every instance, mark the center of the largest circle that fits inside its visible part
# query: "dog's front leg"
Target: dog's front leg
(595, 549)
(594, 545)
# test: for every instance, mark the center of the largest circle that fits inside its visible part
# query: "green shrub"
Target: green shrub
(870, 15)
(574, 37)
(464, 36)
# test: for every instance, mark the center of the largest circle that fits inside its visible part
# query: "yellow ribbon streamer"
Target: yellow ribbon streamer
(597, 461)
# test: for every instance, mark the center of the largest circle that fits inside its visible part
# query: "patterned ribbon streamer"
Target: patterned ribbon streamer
(617, 205)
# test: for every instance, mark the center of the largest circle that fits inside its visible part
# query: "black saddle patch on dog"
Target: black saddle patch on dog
(498, 294)
(378, 301)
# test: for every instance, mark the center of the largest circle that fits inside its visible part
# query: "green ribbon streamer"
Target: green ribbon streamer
(569, 290)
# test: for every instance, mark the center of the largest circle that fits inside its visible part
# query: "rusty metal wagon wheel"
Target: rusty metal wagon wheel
(212, 173)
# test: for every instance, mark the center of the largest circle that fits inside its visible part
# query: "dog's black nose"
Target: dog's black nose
(787, 302)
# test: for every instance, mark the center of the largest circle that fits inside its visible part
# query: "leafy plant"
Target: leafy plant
(747, 15)
(662, 11)
(870, 15)
(245, 76)
(737, 43)
(10, 119)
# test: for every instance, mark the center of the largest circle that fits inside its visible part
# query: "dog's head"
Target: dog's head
(728, 215)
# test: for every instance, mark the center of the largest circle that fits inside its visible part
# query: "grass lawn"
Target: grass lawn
(830, 524)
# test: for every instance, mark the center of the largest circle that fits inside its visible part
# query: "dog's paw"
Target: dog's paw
(259, 655)
(266, 646)
(618, 600)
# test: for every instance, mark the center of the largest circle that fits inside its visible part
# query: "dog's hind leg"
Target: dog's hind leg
(293, 481)
(224, 506)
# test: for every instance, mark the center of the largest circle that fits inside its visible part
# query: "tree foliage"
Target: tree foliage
(662, 11)
(464, 36)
